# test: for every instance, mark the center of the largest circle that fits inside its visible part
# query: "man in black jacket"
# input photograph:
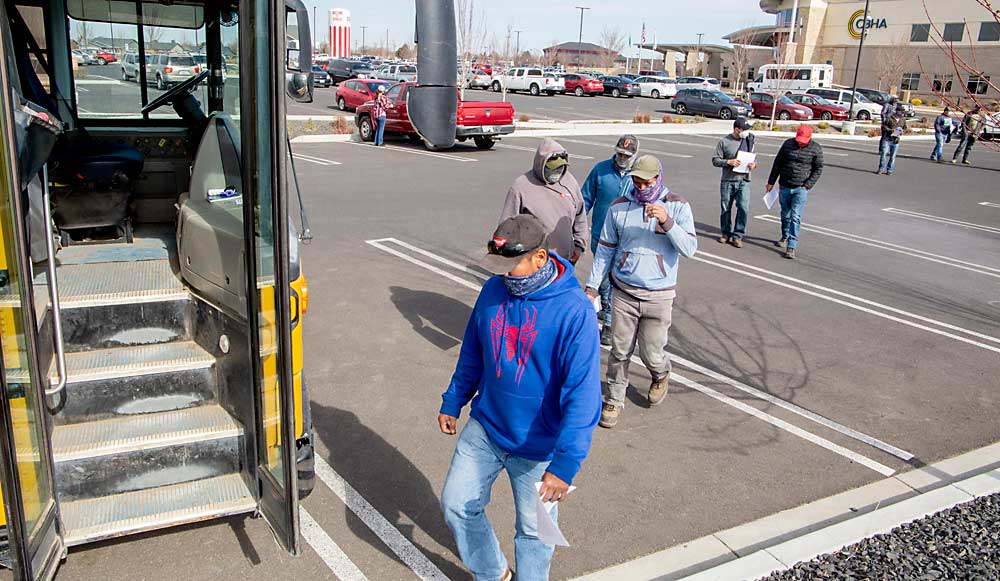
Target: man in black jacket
(796, 170)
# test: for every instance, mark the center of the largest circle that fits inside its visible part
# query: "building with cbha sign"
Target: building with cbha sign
(828, 31)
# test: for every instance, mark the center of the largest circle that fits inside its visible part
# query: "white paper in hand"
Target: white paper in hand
(597, 303)
(770, 198)
(745, 158)
(548, 530)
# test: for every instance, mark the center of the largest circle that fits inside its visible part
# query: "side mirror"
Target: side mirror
(298, 60)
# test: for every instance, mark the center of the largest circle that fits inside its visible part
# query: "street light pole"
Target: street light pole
(313, 47)
(363, 28)
(857, 66)
(517, 44)
(579, 50)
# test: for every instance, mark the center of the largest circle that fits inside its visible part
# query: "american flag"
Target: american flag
(643, 39)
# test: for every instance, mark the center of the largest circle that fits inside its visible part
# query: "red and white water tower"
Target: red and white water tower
(340, 33)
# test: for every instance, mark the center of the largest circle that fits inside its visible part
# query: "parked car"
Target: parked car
(715, 103)
(821, 108)
(657, 87)
(555, 83)
(84, 58)
(165, 70)
(530, 79)
(478, 80)
(486, 69)
(353, 93)
(652, 73)
(618, 87)
(763, 106)
(396, 73)
(581, 85)
(881, 97)
(708, 83)
(320, 77)
(101, 56)
(130, 66)
(991, 126)
(343, 69)
(482, 121)
(864, 109)
(630, 76)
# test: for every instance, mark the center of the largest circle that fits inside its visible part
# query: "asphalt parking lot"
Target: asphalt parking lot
(872, 353)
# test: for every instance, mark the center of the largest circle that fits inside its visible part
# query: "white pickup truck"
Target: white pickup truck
(397, 73)
(530, 79)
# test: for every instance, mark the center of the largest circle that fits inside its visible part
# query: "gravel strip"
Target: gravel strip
(962, 542)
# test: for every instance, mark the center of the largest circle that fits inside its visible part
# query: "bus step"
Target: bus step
(116, 515)
(123, 362)
(126, 325)
(142, 452)
(116, 283)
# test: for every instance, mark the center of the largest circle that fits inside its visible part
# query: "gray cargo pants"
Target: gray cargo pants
(637, 323)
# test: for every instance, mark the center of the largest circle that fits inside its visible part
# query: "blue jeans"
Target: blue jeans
(474, 467)
(793, 201)
(938, 152)
(379, 130)
(738, 193)
(889, 151)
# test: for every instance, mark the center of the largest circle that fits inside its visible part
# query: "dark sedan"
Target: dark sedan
(618, 87)
(321, 78)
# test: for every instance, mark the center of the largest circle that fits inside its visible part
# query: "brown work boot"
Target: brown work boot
(723, 239)
(790, 254)
(780, 243)
(658, 391)
(736, 242)
(609, 415)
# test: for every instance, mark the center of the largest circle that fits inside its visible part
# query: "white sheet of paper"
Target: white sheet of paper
(745, 158)
(597, 303)
(770, 198)
(548, 531)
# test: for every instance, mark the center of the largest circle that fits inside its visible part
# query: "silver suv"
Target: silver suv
(130, 67)
(169, 69)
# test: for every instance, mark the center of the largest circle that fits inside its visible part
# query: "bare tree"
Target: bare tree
(83, 33)
(890, 64)
(612, 43)
(551, 58)
(782, 50)
(471, 30)
(741, 57)
(966, 66)
(404, 52)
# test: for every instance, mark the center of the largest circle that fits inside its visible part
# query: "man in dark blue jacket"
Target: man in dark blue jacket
(530, 365)
(608, 181)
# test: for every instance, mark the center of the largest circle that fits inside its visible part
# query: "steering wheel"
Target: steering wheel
(179, 91)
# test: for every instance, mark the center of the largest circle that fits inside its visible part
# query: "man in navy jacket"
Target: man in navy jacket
(530, 365)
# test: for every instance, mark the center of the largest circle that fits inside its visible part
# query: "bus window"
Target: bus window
(804, 74)
(176, 41)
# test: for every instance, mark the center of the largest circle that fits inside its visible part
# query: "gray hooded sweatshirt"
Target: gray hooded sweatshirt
(559, 206)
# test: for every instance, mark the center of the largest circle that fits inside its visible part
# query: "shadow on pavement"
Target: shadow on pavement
(389, 481)
(438, 318)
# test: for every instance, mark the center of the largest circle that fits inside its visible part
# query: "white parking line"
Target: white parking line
(413, 151)
(990, 204)
(611, 145)
(799, 286)
(686, 143)
(774, 421)
(940, 220)
(798, 410)
(531, 149)
(316, 160)
(373, 519)
(331, 553)
(948, 261)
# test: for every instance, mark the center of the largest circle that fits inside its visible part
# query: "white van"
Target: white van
(864, 108)
(793, 78)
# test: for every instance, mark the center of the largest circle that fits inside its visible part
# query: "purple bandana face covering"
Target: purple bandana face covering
(653, 192)
(520, 286)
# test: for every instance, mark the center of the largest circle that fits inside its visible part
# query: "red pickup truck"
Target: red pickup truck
(483, 122)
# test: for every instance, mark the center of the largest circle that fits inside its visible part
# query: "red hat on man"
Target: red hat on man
(804, 135)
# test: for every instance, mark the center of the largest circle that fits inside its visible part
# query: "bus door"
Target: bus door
(33, 545)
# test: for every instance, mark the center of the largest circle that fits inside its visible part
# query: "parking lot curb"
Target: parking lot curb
(327, 138)
(781, 540)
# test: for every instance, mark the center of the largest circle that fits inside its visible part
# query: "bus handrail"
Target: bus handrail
(53, 288)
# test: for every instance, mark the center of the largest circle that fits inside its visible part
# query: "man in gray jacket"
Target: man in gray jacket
(551, 194)
(735, 187)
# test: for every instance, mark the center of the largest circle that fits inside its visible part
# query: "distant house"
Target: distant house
(161, 46)
(117, 46)
(577, 54)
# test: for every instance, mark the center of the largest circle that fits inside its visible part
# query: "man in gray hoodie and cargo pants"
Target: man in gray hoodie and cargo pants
(551, 194)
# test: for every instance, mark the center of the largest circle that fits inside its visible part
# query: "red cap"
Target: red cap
(804, 135)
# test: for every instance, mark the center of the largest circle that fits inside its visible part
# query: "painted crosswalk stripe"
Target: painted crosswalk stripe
(328, 550)
(942, 220)
(990, 204)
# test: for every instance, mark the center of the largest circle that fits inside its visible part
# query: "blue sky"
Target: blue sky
(542, 21)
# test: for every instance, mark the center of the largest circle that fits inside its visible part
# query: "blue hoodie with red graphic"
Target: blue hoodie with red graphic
(531, 366)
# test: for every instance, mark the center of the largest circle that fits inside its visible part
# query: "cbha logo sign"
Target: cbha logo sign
(857, 23)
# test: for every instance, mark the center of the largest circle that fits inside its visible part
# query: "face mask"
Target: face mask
(553, 175)
(740, 134)
(623, 162)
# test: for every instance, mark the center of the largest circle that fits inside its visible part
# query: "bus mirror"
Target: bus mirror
(300, 86)
(298, 56)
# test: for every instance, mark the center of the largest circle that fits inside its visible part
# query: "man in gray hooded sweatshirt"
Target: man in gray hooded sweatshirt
(551, 194)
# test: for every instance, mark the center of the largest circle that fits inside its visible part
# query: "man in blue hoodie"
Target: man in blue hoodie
(644, 236)
(530, 365)
(608, 181)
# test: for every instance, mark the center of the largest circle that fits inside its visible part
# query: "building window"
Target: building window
(910, 81)
(751, 73)
(725, 71)
(954, 31)
(978, 85)
(943, 83)
(989, 32)
(920, 33)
